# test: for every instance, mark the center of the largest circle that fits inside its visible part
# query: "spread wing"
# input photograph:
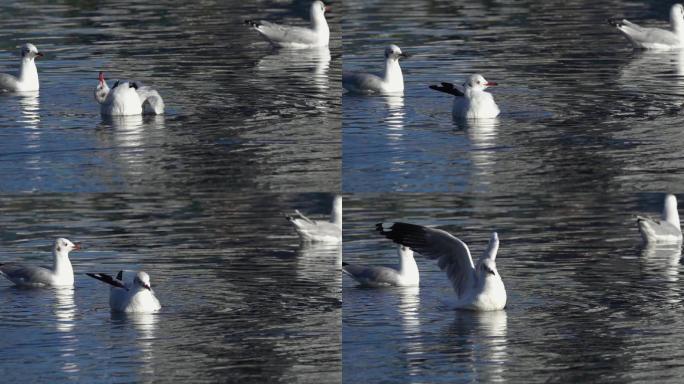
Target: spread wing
(452, 255)
(152, 103)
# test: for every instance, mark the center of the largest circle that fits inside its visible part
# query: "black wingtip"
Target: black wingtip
(614, 21)
(344, 264)
(252, 23)
(119, 276)
(289, 218)
(447, 88)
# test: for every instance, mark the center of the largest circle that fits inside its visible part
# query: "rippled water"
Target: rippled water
(586, 303)
(240, 115)
(242, 300)
(580, 109)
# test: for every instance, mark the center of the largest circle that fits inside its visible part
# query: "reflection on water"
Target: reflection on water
(585, 301)
(394, 119)
(577, 115)
(238, 116)
(313, 66)
(237, 290)
(65, 319)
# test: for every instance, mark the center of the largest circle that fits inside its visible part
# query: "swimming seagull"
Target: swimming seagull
(127, 98)
(320, 231)
(654, 38)
(404, 275)
(390, 81)
(478, 286)
(134, 296)
(318, 35)
(665, 230)
(27, 81)
(61, 273)
(472, 102)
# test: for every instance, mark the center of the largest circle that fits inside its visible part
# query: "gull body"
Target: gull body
(127, 98)
(478, 286)
(320, 231)
(665, 230)
(27, 79)
(61, 273)
(403, 275)
(134, 296)
(317, 35)
(391, 80)
(471, 102)
(654, 38)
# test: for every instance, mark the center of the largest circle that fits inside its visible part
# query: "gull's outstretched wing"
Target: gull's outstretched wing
(452, 255)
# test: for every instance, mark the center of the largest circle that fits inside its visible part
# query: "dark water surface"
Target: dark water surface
(242, 300)
(586, 303)
(240, 115)
(580, 109)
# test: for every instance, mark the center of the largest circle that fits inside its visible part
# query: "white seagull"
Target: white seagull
(318, 35)
(320, 231)
(654, 38)
(134, 296)
(472, 102)
(125, 99)
(403, 275)
(27, 81)
(61, 273)
(478, 286)
(665, 230)
(390, 81)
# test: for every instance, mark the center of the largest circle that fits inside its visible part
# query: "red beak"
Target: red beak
(39, 54)
(328, 8)
(147, 287)
(77, 246)
(101, 77)
(490, 83)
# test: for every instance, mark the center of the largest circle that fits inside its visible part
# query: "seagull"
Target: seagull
(472, 102)
(61, 273)
(127, 98)
(404, 275)
(390, 81)
(134, 296)
(654, 38)
(665, 230)
(318, 35)
(478, 286)
(27, 81)
(320, 231)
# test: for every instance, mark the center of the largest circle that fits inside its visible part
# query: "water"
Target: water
(240, 115)
(585, 302)
(580, 110)
(242, 300)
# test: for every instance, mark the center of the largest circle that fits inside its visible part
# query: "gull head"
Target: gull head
(142, 280)
(392, 52)
(29, 51)
(318, 9)
(478, 82)
(102, 89)
(64, 246)
(677, 14)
